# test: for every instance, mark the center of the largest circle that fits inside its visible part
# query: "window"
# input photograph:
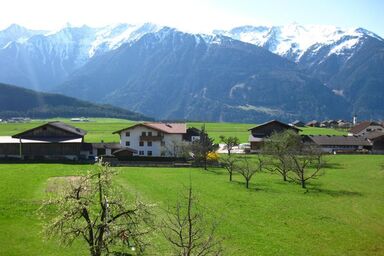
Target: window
(159, 134)
(141, 153)
(149, 143)
(127, 143)
(149, 153)
(149, 133)
(143, 133)
(163, 143)
(141, 143)
(127, 134)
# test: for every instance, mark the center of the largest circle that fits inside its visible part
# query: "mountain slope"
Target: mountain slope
(16, 101)
(175, 75)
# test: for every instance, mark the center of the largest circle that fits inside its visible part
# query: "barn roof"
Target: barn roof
(328, 140)
(276, 122)
(59, 125)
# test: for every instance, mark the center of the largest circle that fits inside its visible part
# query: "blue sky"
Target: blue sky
(194, 15)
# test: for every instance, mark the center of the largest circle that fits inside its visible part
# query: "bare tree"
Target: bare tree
(229, 164)
(248, 168)
(185, 229)
(229, 142)
(306, 164)
(278, 147)
(93, 209)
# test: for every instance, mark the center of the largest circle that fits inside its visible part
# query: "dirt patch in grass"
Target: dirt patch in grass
(60, 184)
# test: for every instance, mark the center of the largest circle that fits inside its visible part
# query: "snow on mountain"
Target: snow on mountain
(16, 33)
(293, 40)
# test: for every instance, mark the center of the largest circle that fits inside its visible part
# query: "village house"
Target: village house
(153, 139)
(298, 123)
(53, 140)
(365, 127)
(261, 132)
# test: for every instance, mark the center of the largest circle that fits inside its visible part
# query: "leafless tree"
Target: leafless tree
(277, 149)
(185, 229)
(202, 147)
(95, 210)
(229, 164)
(248, 168)
(229, 142)
(306, 164)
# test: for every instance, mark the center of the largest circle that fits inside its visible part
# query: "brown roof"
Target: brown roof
(328, 140)
(59, 125)
(170, 128)
(361, 126)
(373, 135)
(277, 122)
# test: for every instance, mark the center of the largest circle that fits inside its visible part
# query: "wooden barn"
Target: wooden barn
(263, 131)
(53, 140)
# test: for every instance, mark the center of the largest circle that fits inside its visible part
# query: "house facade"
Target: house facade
(153, 139)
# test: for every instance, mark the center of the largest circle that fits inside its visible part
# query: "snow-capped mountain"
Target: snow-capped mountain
(346, 61)
(293, 41)
(41, 59)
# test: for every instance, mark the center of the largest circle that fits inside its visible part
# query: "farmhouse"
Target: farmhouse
(53, 140)
(366, 127)
(263, 131)
(377, 140)
(341, 144)
(153, 139)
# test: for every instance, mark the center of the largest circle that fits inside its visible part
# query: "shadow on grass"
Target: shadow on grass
(328, 165)
(334, 193)
(254, 187)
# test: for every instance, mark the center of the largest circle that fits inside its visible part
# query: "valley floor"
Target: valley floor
(342, 213)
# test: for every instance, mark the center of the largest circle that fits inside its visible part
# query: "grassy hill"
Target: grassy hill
(341, 213)
(16, 101)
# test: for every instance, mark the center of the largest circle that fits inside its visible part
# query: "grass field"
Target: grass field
(102, 128)
(342, 213)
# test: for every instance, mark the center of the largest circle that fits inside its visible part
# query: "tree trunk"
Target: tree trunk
(230, 176)
(284, 176)
(247, 183)
(229, 152)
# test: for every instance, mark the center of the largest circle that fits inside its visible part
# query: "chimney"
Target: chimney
(354, 120)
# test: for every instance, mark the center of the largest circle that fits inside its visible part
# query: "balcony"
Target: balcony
(151, 138)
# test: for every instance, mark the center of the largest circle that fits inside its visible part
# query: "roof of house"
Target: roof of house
(276, 122)
(363, 125)
(102, 145)
(328, 140)
(58, 125)
(373, 135)
(170, 128)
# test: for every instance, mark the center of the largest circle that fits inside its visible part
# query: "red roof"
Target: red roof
(170, 128)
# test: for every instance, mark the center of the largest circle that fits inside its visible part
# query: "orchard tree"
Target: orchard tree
(247, 168)
(229, 164)
(229, 142)
(278, 148)
(94, 210)
(188, 232)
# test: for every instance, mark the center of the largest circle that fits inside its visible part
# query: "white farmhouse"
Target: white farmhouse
(153, 139)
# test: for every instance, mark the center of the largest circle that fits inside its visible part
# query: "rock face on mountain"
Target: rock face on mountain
(245, 74)
(175, 75)
(16, 101)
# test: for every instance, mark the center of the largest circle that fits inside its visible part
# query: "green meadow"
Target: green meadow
(341, 213)
(101, 129)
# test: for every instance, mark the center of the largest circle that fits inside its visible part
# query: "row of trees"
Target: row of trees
(283, 153)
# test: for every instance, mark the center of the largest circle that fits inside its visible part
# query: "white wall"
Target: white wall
(157, 148)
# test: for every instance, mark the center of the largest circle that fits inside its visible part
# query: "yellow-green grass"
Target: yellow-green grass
(101, 129)
(342, 213)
